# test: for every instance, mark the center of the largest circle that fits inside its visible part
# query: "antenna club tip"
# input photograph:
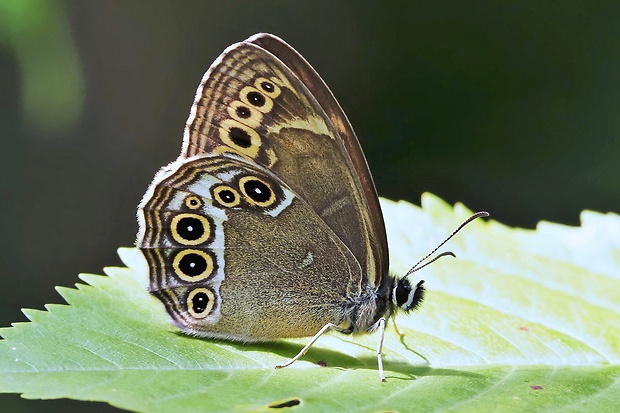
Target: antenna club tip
(482, 214)
(446, 253)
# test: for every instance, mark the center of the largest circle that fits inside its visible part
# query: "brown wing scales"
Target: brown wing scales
(252, 104)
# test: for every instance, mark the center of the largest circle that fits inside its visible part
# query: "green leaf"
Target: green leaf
(522, 320)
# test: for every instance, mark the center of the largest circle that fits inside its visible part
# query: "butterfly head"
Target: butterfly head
(407, 297)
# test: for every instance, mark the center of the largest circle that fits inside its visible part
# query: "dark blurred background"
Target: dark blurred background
(511, 107)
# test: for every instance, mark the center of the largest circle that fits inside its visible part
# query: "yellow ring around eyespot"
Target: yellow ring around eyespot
(253, 121)
(276, 89)
(243, 95)
(203, 275)
(227, 125)
(210, 304)
(218, 198)
(178, 238)
(267, 203)
(193, 198)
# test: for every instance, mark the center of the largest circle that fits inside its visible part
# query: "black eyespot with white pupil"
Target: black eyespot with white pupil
(193, 265)
(193, 202)
(267, 87)
(200, 302)
(190, 228)
(227, 196)
(257, 190)
(256, 99)
(243, 112)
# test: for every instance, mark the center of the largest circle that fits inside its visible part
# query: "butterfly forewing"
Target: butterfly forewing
(252, 104)
(319, 89)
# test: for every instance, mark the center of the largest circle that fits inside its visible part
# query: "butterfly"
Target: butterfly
(268, 224)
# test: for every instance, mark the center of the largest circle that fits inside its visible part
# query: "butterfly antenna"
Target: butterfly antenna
(418, 265)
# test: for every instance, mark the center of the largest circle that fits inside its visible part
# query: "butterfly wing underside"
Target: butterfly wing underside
(222, 240)
(268, 222)
(262, 100)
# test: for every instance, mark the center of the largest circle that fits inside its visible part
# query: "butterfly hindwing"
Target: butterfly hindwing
(223, 237)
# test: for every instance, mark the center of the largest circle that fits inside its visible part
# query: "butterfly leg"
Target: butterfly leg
(396, 328)
(303, 351)
(381, 326)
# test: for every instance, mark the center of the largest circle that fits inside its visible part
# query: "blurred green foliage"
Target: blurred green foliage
(51, 87)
